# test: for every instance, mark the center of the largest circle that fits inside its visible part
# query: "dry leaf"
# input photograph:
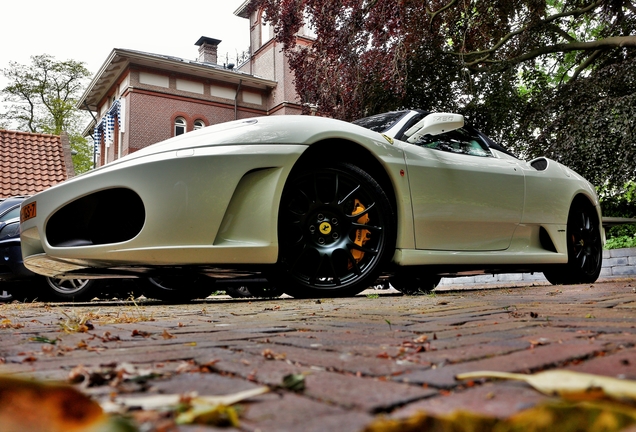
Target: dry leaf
(562, 417)
(170, 401)
(568, 384)
(34, 406)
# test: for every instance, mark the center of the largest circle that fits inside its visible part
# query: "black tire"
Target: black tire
(67, 289)
(178, 288)
(413, 283)
(336, 229)
(242, 291)
(585, 251)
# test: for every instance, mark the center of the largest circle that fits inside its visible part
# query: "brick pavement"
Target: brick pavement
(363, 357)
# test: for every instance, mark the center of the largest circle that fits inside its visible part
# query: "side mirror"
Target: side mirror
(434, 124)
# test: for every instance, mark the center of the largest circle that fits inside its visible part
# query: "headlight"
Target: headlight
(10, 230)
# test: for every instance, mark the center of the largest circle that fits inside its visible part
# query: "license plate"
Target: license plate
(28, 212)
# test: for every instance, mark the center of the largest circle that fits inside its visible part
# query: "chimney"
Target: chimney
(207, 49)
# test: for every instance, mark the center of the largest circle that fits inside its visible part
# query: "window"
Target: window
(14, 213)
(179, 126)
(198, 124)
(380, 122)
(308, 28)
(460, 141)
(266, 29)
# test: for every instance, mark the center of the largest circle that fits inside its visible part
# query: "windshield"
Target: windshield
(380, 122)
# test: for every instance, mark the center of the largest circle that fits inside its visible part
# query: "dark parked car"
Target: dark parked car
(16, 281)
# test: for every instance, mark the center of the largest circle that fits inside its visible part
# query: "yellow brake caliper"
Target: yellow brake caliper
(362, 235)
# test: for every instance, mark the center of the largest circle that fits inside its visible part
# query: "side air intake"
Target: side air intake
(109, 216)
(546, 240)
(539, 164)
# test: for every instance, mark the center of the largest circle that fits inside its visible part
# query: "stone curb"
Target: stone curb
(616, 263)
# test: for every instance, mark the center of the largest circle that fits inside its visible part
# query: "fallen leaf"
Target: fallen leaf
(140, 333)
(167, 335)
(568, 384)
(271, 355)
(43, 339)
(562, 417)
(294, 382)
(209, 414)
(33, 406)
(155, 402)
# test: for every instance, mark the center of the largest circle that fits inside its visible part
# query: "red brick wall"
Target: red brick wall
(151, 117)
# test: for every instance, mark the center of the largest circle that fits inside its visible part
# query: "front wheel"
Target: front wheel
(585, 251)
(336, 230)
(67, 289)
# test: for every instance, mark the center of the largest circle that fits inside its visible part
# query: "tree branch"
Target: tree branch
(610, 42)
(548, 20)
(558, 30)
(585, 64)
(442, 9)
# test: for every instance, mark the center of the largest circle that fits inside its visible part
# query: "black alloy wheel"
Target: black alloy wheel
(585, 251)
(336, 229)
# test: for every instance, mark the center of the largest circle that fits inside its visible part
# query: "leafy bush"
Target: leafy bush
(621, 242)
(621, 203)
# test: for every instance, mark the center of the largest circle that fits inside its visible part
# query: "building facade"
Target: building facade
(141, 98)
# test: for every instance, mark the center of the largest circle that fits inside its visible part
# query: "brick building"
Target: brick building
(141, 98)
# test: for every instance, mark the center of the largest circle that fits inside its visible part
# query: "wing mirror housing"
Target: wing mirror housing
(434, 124)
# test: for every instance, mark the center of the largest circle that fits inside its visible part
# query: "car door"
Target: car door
(464, 198)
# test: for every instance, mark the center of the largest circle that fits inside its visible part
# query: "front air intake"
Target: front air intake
(109, 216)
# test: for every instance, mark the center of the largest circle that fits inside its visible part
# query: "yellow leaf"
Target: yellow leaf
(562, 417)
(162, 401)
(568, 384)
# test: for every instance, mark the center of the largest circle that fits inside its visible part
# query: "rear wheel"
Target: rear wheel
(67, 289)
(585, 251)
(336, 230)
(266, 291)
(178, 288)
(413, 283)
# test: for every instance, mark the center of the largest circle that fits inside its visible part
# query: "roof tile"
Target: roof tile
(30, 162)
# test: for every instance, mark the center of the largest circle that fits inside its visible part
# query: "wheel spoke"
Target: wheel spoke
(299, 211)
(354, 264)
(355, 189)
(336, 189)
(299, 257)
(362, 213)
(357, 226)
(336, 278)
(313, 278)
(317, 199)
(363, 249)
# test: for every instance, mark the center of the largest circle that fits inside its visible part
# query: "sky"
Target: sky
(88, 31)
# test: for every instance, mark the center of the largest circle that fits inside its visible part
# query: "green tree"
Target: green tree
(41, 97)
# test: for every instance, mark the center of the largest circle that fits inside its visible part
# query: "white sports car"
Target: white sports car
(320, 207)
